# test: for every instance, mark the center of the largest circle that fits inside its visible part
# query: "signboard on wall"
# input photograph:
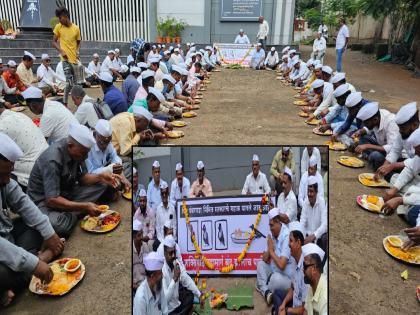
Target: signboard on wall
(222, 226)
(235, 53)
(241, 10)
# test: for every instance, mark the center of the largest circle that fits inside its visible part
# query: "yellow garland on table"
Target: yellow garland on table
(241, 256)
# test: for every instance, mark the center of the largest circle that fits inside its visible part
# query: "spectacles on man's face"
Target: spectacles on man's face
(305, 266)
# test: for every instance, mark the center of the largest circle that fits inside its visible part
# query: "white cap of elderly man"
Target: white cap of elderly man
(104, 128)
(9, 149)
(82, 134)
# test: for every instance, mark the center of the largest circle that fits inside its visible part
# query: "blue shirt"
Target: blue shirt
(115, 100)
(129, 89)
(300, 288)
(153, 194)
(98, 160)
(349, 120)
(337, 113)
(282, 249)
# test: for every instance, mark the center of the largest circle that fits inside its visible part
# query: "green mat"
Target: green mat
(205, 311)
(240, 296)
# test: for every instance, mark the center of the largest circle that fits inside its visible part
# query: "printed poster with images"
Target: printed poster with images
(222, 226)
(235, 54)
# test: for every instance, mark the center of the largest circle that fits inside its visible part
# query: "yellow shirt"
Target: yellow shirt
(278, 166)
(68, 37)
(318, 303)
(308, 85)
(124, 133)
(26, 75)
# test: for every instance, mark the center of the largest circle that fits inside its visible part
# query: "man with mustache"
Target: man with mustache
(378, 134)
(180, 299)
(149, 298)
(180, 187)
(256, 182)
(317, 298)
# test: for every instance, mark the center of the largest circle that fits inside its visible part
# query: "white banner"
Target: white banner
(222, 226)
(235, 53)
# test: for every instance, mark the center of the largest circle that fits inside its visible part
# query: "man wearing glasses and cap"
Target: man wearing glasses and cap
(242, 38)
(283, 158)
(47, 77)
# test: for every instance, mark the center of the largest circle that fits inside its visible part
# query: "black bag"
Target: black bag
(102, 110)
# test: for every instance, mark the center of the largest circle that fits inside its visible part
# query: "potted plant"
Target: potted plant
(159, 29)
(179, 27)
(167, 30)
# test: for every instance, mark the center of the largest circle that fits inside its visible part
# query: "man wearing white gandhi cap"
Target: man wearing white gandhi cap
(140, 249)
(180, 186)
(103, 157)
(201, 187)
(317, 297)
(60, 184)
(180, 299)
(164, 212)
(21, 240)
(314, 216)
(169, 232)
(256, 182)
(283, 158)
(379, 133)
(407, 120)
(24, 70)
(293, 301)
(150, 298)
(287, 203)
(275, 270)
(147, 217)
(303, 185)
(153, 189)
(55, 119)
(407, 184)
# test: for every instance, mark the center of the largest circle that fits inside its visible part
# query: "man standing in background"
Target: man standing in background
(67, 41)
(262, 31)
(341, 42)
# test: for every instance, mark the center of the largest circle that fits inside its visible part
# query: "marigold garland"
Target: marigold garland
(199, 255)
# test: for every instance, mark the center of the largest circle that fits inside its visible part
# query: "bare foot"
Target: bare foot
(46, 255)
(7, 298)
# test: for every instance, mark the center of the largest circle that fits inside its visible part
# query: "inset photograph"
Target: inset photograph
(230, 228)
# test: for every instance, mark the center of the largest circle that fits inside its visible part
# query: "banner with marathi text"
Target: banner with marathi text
(222, 226)
(235, 53)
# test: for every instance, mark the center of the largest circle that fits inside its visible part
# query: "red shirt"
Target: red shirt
(13, 80)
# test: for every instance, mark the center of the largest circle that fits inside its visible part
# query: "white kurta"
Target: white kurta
(388, 130)
(272, 60)
(315, 219)
(409, 175)
(303, 187)
(257, 185)
(298, 73)
(48, 77)
(327, 98)
(107, 65)
(171, 288)
(145, 303)
(242, 39)
(304, 164)
(162, 215)
(95, 69)
(288, 205)
(319, 45)
(400, 149)
(56, 120)
(29, 139)
(177, 193)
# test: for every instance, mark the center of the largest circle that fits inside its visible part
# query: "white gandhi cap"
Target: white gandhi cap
(200, 165)
(103, 127)
(106, 77)
(163, 185)
(156, 164)
(273, 213)
(147, 74)
(312, 161)
(255, 158)
(312, 180)
(368, 111)
(169, 241)
(312, 248)
(341, 90)
(327, 69)
(157, 93)
(414, 139)
(32, 92)
(178, 167)
(295, 226)
(82, 135)
(353, 99)
(153, 261)
(9, 149)
(140, 111)
(317, 83)
(27, 53)
(338, 77)
(142, 193)
(406, 113)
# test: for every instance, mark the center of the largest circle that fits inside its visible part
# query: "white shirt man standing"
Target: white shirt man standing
(256, 182)
(242, 38)
(262, 31)
(341, 42)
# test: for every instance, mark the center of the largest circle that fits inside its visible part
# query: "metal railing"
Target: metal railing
(99, 20)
